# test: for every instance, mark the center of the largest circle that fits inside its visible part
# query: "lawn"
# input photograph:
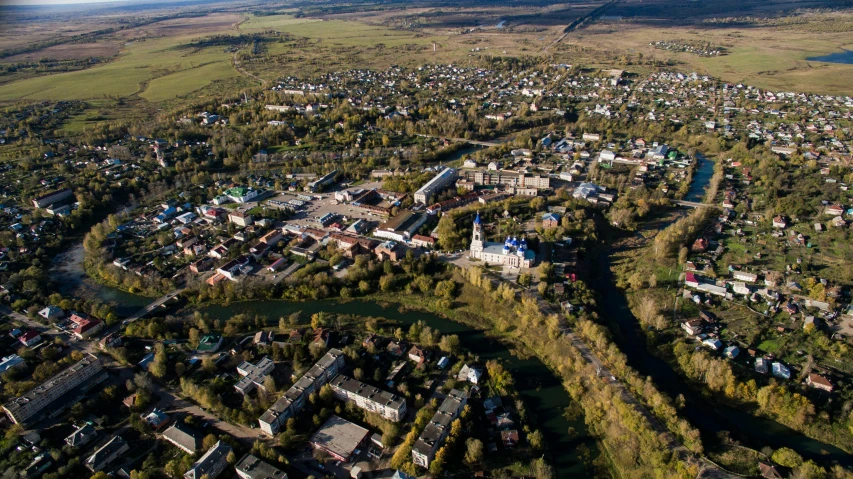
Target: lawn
(772, 346)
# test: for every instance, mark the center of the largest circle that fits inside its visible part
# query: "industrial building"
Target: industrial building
(319, 183)
(441, 181)
(339, 438)
(401, 227)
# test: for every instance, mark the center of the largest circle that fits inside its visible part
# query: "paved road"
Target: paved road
(463, 140)
(692, 204)
(154, 305)
(171, 403)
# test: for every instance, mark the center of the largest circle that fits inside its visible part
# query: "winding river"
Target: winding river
(541, 391)
(710, 418)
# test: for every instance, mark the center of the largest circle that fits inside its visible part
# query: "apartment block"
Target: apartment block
(390, 406)
(438, 428)
(294, 399)
(37, 399)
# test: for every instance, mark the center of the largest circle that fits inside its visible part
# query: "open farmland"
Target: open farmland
(769, 55)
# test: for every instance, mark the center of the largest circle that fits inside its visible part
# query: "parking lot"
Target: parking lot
(308, 214)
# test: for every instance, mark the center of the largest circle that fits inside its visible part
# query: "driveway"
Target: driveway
(171, 404)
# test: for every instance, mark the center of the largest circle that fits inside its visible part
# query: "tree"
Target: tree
(318, 320)
(449, 344)
(545, 271)
(194, 338)
(474, 452)
(436, 467)
(449, 236)
(231, 458)
(787, 457)
(159, 364)
(536, 439)
(269, 384)
(209, 363)
(208, 442)
(101, 475)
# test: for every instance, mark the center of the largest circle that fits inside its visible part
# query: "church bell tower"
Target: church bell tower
(477, 238)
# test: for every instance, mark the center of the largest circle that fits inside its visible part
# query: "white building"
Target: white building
(441, 181)
(388, 405)
(25, 407)
(512, 252)
(253, 374)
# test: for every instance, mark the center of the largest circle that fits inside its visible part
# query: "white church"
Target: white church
(512, 252)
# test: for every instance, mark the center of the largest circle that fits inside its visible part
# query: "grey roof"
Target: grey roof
(183, 435)
(68, 375)
(255, 468)
(81, 436)
(339, 436)
(295, 392)
(367, 391)
(209, 460)
(434, 432)
(106, 452)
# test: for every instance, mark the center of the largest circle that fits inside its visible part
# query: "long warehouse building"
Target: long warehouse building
(440, 182)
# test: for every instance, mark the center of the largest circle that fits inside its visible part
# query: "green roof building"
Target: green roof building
(209, 343)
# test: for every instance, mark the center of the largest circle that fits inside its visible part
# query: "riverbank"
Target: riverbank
(637, 279)
(571, 453)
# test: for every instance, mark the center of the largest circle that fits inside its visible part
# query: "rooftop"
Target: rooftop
(339, 436)
(255, 468)
(54, 382)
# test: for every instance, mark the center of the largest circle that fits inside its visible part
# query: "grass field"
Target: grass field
(156, 70)
(155, 60)
(765, 55)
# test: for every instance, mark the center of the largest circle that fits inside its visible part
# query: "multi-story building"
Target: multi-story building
(294, 399)
(25, 407)
(318, 184)
(441, 181)
(251, 467)
(438, 428)
(211, 464)
(509, 178)
(390, 406)
(253, 374)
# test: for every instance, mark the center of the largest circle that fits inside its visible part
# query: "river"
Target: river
(541, 391)
(701, 178)
(709, 417)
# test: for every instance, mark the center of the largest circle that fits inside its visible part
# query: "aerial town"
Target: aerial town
(485, 269)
